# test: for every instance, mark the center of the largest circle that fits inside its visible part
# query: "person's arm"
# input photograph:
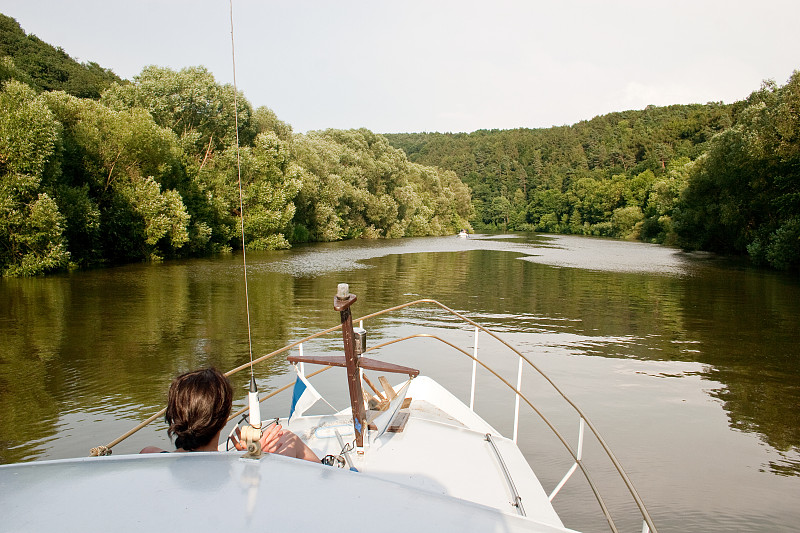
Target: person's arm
(291, 445)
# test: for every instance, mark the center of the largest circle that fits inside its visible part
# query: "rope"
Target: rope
(100, 451)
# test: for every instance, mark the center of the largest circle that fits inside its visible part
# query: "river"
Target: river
(687, 363)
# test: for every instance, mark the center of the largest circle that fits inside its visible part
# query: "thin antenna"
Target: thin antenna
(241, 202)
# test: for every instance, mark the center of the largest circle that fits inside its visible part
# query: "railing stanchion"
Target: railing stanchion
(300, 365)
(571, 471)
(516, 400)
(474, 371)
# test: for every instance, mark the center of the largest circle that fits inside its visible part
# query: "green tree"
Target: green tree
(122, 170)
(31, 226)
(744, 192)
(191, 103)
(265, 120)
(9, 71)
(354, 184)
(45, 67)
(270, 181)
(626, 222)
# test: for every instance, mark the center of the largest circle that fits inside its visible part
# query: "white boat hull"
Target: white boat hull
(438, 474)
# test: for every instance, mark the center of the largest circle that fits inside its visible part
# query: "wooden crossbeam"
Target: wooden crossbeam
(363, 362)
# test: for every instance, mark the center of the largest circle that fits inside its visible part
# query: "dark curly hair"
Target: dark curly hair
(198, 406)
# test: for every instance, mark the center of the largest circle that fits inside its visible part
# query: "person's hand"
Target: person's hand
(270, 437)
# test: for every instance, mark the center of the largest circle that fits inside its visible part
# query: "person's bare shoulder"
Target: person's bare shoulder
(152, 449)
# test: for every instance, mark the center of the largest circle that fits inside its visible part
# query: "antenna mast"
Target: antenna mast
(255, 409)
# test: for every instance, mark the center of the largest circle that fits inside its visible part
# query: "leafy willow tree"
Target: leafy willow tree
(355, 184)
(116, 169)
(31, 226)
(265, 120)
(202, 114)
(270, 181)
(191, 103)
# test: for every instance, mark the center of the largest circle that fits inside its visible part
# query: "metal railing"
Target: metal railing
(584, 422)
(647, 522)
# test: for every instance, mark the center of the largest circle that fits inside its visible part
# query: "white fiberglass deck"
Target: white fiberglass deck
(439, 474)
(216, 492)
(443, 450)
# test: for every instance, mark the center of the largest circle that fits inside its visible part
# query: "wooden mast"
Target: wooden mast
(342, 303)
(352, 361)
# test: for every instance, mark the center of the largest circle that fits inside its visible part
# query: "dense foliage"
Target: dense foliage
(712, 177)
(744, 192)
(356, 185)
(615, 175)
(149, 169)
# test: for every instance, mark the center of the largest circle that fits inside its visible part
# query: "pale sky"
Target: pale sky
(440, 65)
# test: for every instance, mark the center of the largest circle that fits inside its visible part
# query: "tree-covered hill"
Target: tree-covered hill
(570, 178)
(27, 58)
(716, 177)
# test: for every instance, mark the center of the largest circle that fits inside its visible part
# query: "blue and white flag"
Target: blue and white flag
(304, 396)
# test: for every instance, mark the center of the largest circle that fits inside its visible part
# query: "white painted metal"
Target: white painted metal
(578, 454)
(474, 371)
(301, 367)
(563, 481)
(516, 400)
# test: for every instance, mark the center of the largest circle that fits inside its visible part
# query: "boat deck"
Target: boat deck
(438, 474)
(442, 450)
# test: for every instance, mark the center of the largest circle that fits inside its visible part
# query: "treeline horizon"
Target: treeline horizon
(97, 170)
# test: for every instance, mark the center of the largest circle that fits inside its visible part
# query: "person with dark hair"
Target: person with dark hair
(198, 406)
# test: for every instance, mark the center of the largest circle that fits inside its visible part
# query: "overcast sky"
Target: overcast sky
(436, 65)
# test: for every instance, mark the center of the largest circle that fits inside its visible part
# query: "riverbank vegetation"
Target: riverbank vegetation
(724, 178)
(96, 170)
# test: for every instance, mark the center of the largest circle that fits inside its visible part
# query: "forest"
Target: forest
(724, 178)
(96, 170)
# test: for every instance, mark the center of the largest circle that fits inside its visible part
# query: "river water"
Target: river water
(688, 364)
